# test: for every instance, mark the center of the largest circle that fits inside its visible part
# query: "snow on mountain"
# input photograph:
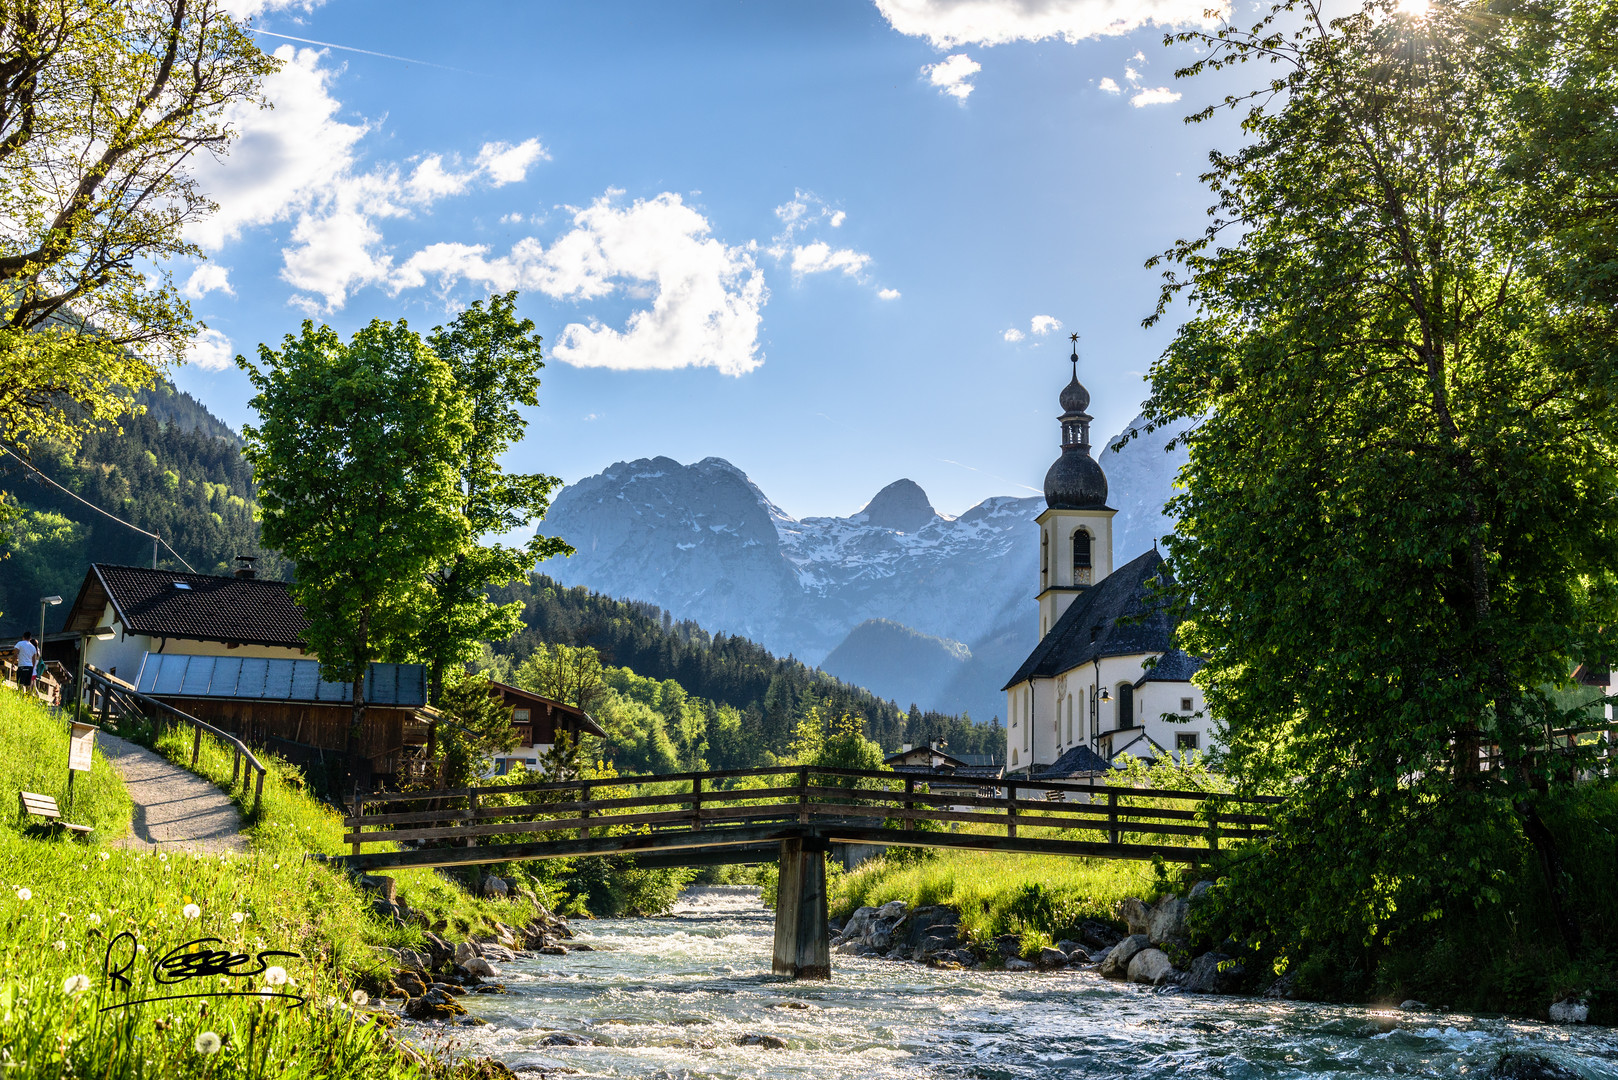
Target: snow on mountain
(703, 542)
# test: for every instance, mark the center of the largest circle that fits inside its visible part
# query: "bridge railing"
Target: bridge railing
(847, 803)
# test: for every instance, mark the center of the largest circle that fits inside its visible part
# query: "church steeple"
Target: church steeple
(1076, 530)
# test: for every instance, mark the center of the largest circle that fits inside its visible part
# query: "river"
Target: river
(668, 998)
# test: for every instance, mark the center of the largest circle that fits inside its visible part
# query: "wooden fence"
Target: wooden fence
(109, 697)
(692, 810)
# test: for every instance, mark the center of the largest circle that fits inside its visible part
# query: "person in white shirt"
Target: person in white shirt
(27, 658)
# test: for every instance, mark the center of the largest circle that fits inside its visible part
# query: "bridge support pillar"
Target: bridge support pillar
(802, 944)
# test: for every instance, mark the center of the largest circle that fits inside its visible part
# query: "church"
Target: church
(1105, 682)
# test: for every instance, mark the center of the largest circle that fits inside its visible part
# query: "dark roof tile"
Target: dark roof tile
(196, 607)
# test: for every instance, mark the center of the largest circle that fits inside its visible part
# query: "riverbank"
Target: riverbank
(85, 923)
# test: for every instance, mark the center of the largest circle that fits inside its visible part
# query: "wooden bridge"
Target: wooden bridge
(792, 814)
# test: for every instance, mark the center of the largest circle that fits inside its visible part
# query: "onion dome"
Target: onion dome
(1075, 480)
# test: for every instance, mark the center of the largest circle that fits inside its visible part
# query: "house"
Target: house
(967, 776)
(538, 721)
(1105, 676)
(229, 650)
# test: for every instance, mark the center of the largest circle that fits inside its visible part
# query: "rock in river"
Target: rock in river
(1522, 1066)
(1152, 967)
(1214, 973)
(1116, 965)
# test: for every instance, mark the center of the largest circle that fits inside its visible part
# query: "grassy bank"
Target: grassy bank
(1041, 897)
(64, 904)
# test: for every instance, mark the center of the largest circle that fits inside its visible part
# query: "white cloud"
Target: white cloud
(246, 9)
(819, 258)
(211, 351)
(299, 161)
(806, 213)
(1132, 76)
(952, 76)
(1162, 95)
(888, 294)
(207, 278)
(706, 297)
(511, 219)
(838, 218)
(1109, 86)
(948, 24)
(1044, 324)
(1013, 334)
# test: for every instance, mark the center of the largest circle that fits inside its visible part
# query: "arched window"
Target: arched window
(1070, 718)
(1126, 706)
(1082, 562)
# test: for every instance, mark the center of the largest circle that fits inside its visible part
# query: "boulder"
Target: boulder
(858, 923)
(1152, 967)
(553, 950)
(1518, 1065)
(879, 940)
(433, 1005)
(411, 960)
(379, 885)
(1199, 890)
(498, 954)
(1136, 915)
(495, 888)
(565, 1038)
(1019, 965)
(768, 1042)
(932, 921)
(439, 952)
(466, 950)
(410, 983)
(1167, 922)
(1285, 988)
(1095, 934)
(1214, 973)
(476, 965)
(453, 989)
(940, 940)
(1412, 1005)
(1116, 965)
(1052, 958)
(1009, 944)
(893, 910)
(505, 935)
(1569, 1011)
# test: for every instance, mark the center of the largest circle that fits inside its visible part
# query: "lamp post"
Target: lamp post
(45, 602)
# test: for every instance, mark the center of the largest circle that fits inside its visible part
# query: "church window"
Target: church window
(1070, 718)
(1185, 704)
(1081, 557)
(1185, 740)
(1126, 705)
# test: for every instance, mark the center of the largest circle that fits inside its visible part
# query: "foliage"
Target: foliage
(357, 456)
(495, 360)
(35, 759)
(476, 725)
(103, 106)
(752, 700)
(1395, 533)
(174, 470)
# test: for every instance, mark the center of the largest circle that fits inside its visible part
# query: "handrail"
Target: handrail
(114, 691)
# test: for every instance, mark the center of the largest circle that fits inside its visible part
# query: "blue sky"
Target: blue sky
(816, 239)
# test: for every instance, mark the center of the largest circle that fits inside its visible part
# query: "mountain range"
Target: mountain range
(910, 603)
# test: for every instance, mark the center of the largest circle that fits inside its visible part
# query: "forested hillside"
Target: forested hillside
(175, 470)
(769, 695)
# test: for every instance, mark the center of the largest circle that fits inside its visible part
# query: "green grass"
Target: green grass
(1042, 897)
(63, 902)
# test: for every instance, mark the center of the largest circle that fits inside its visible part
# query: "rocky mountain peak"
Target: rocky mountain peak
(901, 506)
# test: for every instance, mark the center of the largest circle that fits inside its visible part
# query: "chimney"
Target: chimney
(245, 570)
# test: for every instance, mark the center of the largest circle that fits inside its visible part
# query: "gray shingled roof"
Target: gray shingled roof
(197, 607)
(1176, 665)
(1117, 617)
(1079, 761)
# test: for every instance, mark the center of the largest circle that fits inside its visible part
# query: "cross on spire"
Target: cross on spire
(1074, 337)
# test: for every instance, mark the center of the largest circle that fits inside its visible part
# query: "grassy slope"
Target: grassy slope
(61, 903)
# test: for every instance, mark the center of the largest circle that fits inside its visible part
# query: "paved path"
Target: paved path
(174, 809)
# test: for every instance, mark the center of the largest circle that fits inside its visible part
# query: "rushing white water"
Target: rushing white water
(669, 998)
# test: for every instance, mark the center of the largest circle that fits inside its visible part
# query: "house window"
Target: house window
(1081, 557)
(1185, 704)
(1126, 706)
(519, 716)
(1185, 740)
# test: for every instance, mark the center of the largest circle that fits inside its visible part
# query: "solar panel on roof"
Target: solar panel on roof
(198, 673)
(334, 691)
(170, 675)
(226, 670)
(148, 673)
(278, 679)
(382, 684)
(305, 680)
(250, 683)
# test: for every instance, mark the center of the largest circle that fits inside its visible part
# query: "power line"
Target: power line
(156, 538)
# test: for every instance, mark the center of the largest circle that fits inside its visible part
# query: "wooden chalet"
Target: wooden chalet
(538, 720)
(230, 651)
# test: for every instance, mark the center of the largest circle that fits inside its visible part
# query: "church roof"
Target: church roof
(1176, 665)
(1116, 617)
(1078, 761)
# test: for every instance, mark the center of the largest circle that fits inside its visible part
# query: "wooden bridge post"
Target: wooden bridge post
(196, 748)
(1213, 830)
(1112, 817)
(910, 789)
(696, 802)
(584, 797)
(1011, 811)
(359, 810)
(803, 795)
(472, 816)
(802, 944)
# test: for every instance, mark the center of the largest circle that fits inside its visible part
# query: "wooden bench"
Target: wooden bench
(43, 806)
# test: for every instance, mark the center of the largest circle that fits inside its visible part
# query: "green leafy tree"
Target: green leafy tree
(564, 673)
(1396, 533)
(495, 360)
(357, 456)
(476, 725)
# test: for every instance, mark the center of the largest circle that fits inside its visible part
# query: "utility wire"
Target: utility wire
(97, 509)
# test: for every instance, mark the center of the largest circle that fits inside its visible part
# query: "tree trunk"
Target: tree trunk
(1550, 866)
(356, 722)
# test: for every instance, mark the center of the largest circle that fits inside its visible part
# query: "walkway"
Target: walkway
(175, 809)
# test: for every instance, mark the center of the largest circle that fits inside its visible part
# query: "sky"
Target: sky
(836, 242)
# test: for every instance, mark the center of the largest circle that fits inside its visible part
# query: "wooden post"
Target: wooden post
(106, 703)
(584, 797)
(1112, 817)
(803, 797)
(1011, 811)
(235, 767)
(910, 789)
(802, 944)
(196, 748)
(1213, 830)
(696, 802)
(472, 808)
(258, 791)
(359, 812)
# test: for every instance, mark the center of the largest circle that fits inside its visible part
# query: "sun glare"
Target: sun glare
(1416, 9)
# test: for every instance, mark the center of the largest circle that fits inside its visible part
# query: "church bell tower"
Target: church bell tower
(1075, 531)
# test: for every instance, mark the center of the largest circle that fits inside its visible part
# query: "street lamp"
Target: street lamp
(45, 602)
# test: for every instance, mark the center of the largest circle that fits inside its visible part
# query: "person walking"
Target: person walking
(27, 660)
